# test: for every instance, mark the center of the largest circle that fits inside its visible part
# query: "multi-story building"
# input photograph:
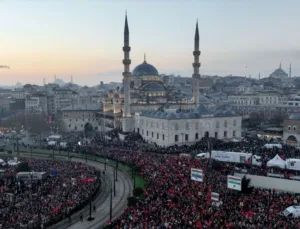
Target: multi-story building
(167, 129)
(291, 130)
(19, 94)
(36, 104)
(80, 118)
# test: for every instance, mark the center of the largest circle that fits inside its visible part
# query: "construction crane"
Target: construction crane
(4, 66)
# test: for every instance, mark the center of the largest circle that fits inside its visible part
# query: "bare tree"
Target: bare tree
(37, 123)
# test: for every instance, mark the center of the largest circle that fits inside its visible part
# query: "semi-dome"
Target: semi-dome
(158, 114)
(164, 114)
(181, 115)
(145, 69)
(192, 115)
(201, 110)
(295, 116)
(153, 86)
(171, 115)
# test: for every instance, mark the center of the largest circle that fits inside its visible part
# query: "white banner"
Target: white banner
(197, 175)
(234, 183)
(215, 196)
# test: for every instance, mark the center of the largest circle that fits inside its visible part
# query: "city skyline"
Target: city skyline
(43, 39)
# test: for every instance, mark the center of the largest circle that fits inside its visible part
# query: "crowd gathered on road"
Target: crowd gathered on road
(172, 200)
(39, 203)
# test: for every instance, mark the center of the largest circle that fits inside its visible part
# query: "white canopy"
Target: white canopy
(277, 161)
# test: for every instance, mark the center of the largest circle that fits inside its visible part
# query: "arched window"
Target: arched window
(234, 122)
(294, 128)
(289, 127)
(176, 126)
(218, 124)
(196, 126)
(187, 126)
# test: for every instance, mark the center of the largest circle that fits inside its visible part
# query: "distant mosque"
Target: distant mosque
(147, 105)
(279, 73)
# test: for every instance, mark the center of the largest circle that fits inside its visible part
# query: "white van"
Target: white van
(293, 211)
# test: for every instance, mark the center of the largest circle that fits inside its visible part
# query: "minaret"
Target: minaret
(258, 76)
(126, 123)
(290, 72)
(280, 65)
(196, 65)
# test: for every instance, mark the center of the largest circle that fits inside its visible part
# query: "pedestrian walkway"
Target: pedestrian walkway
(119, 202)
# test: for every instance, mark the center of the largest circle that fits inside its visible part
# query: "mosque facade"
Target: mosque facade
(161, 114)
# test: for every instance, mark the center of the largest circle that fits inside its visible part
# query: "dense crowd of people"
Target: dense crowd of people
(33, 203)
(172, 200)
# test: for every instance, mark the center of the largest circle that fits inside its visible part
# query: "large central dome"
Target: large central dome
(145, 69)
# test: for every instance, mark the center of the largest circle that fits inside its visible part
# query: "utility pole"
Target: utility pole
(114, 182)
(90, 217)
(110, 209)
(117, 170)
(31, 152)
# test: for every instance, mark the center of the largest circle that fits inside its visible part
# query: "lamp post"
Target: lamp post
(105, 163)
(114, 182)
(110, 209)
(85, 153)
(117, 166)
(31, 152)
(90, 217)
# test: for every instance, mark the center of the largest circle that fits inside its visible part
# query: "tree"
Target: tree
(37, 123)
(15, 122)
(138, 191)
(246, 185)
(131, 201)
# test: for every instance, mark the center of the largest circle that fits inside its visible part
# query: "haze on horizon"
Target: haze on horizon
(85, 39)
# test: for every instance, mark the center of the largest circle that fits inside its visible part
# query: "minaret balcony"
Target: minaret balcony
(126, 49)
(126, 74)
(126, 61)
(196, 65)
(196, 53)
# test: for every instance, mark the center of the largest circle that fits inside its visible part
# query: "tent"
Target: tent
(277, 161)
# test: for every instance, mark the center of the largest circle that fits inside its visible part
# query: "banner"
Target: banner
(215, 196)
(234, 183)
(197, 175)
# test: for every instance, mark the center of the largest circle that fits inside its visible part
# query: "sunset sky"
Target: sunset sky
(39, 39)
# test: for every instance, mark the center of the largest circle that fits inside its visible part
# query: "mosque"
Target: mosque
(161, 114)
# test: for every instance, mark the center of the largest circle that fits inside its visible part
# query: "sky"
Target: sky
(84, 38)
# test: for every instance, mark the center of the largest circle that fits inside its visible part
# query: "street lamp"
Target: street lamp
(110, 209)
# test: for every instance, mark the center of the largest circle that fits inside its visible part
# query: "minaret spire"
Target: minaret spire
(145, 58)
(290, 72)
(280, 65)
(196, 65)
(126, 123)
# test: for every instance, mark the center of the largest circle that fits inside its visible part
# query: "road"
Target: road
(124, 189)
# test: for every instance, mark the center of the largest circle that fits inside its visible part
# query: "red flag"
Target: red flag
(198, 224)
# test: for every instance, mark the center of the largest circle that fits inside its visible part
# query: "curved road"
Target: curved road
(124, 189)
